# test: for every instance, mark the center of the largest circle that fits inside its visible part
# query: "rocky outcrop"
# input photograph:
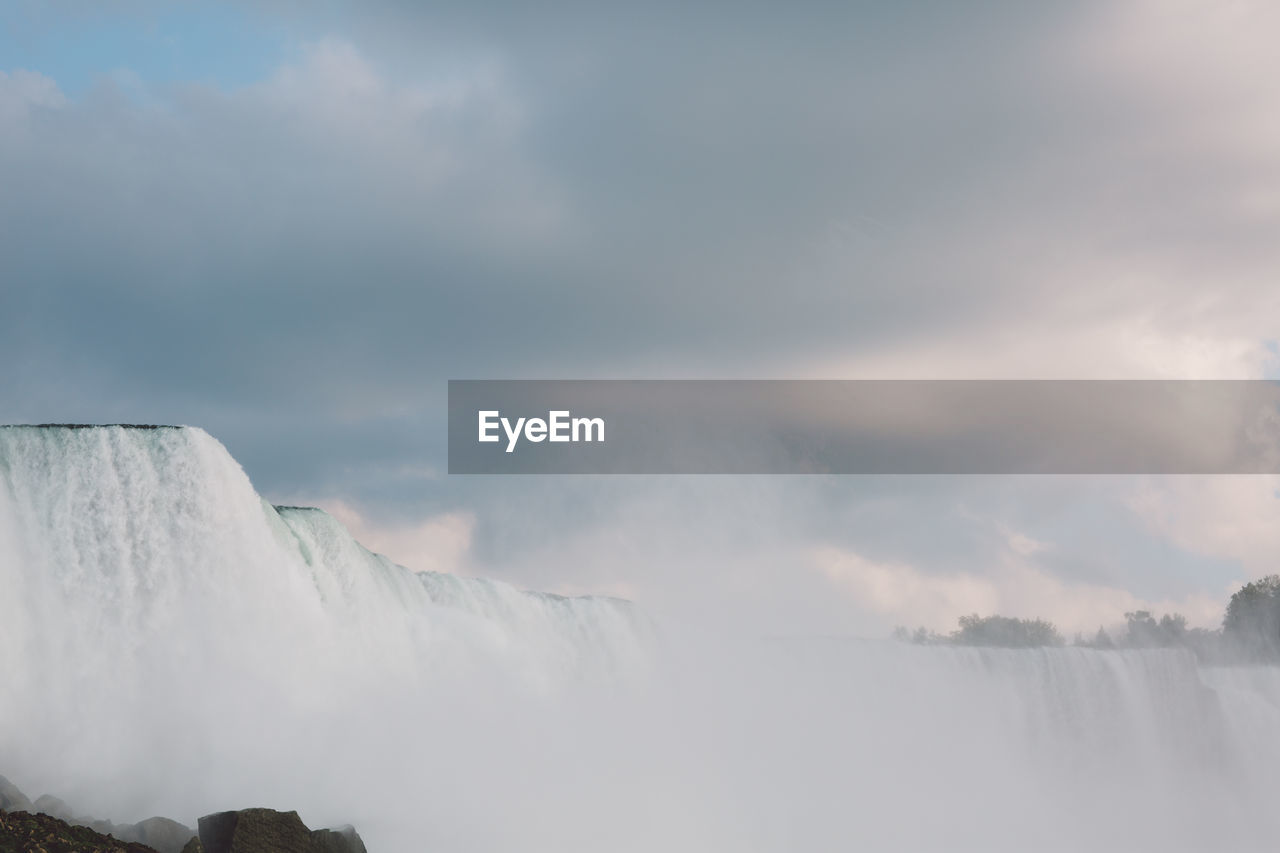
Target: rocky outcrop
(344, 839)
(166, 836)
(262, 830)
(13, 800)
(158, 833)
(24, 832)
(254, 829)
(50, 825)
(55, 807)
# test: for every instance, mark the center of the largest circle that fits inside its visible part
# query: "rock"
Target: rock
(343, 839)
(13, 800)
(269, 831)
(50, 824)
(54, 807)
(255, 831)
(105, 827)
(166, 836)
(24, 831)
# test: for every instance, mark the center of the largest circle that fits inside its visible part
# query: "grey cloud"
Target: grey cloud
(466, 191)
(616, 191)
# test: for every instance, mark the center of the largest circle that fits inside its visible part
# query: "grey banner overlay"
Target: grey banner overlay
(871, 427)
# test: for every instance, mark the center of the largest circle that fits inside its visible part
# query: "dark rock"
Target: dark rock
(343, 839)
(49, 824)
(24, 831)
(13, 800)
(166, 836)
(254, 831)
(269, 831)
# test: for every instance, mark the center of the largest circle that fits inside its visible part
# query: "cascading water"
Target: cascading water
(156, 610)
(172, 644)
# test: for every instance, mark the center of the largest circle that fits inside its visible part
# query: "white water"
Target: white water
(171, 644)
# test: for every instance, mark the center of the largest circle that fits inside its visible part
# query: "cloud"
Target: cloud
(317, 249)
(1120, 348)
(429, 193)
(1227, 517)
(21, 91)
(899, 593)
(466, 191)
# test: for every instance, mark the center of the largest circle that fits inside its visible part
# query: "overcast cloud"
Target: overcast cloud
(293, 230)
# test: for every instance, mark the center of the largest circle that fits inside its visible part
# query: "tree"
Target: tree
(1143, 631)
(1173, 627)
(1252, 623)
(1005, 631)
(925, 637)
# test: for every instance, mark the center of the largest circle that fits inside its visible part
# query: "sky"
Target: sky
(291, 223)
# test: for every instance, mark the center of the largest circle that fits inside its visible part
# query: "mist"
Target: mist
(175, 645)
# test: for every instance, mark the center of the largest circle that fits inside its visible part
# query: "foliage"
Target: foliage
(1250, 630)
(1252, 622)
(975, 630)
(1005, 631)
(920, 636)
(1143, 631)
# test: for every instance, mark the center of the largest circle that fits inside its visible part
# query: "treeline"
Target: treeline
(976, 630)
(1250, 631)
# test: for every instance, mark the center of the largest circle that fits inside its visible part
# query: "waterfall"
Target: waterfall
(173, 644)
